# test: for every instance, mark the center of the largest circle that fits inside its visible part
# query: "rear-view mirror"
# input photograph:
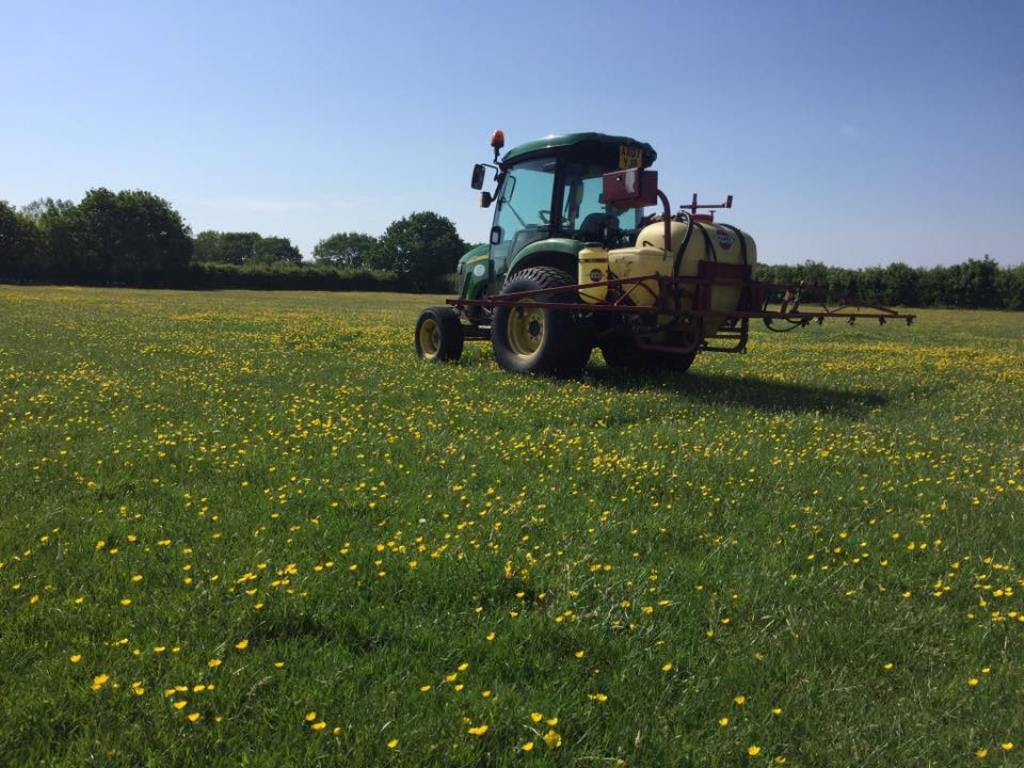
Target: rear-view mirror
(478, 176)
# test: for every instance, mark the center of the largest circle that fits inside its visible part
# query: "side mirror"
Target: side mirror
(486, 199)
(478, 177)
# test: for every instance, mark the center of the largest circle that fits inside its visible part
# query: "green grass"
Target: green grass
(279, 468)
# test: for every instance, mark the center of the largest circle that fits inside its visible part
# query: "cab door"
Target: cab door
(523, 213)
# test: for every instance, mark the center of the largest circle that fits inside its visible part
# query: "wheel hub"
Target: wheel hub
(525, 330)
(430, 338)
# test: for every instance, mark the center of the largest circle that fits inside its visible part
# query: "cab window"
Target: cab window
(524, 208)
(584, 215)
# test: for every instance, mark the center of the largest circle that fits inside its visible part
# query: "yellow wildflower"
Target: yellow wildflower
(553, 740)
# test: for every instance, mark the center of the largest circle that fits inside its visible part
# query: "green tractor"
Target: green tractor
(572, 263)
(548, 206)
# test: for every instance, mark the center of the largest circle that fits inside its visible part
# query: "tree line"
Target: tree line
(975, 284)
(136, 238)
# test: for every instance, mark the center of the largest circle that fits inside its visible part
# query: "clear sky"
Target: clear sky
(854, 133)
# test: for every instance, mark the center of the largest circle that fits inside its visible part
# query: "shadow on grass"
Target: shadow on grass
(726, 390)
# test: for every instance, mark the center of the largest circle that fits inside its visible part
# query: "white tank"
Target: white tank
(699, 241)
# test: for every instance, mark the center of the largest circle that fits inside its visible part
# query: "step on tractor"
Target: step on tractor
(573, 263)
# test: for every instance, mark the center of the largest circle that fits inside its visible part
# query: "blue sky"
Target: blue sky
(852, 133)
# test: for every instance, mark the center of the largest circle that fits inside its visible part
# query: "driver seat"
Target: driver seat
(592, 228)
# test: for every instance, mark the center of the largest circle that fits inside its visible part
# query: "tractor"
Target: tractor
(573, 263)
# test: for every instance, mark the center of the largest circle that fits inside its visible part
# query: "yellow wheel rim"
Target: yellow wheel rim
(525, 329)
(430, 338)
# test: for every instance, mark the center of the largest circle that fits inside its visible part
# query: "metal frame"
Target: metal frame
(757, 301)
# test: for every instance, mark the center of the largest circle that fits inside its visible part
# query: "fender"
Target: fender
(561, 252)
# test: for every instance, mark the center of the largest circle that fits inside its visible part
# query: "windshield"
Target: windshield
(524, 214)
(583, 212)
(524, 207)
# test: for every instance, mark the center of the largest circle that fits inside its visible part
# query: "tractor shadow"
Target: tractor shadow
(730, 390)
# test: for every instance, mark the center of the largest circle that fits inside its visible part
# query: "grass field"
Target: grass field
(252, 529)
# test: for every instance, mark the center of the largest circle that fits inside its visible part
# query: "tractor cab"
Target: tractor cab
(548, 203)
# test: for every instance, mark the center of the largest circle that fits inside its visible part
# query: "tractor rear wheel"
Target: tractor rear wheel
(624, 353)
(439, 335)
(532, 339)
(671, 362)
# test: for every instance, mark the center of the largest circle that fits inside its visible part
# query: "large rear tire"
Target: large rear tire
(624, 353)
(439, 335)
(530, 339)
(671, 362)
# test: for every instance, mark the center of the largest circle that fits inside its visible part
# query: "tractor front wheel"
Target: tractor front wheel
(532, 339)
(439, 335)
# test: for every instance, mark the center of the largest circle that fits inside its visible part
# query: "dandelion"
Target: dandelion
(599, 697)
(479, 730)
(194, 717)
(753, 750)
(393, 744)
(553, 739)
(536, 717)
(311, 716)
(1006, 746)
(723, 721)
(74, 658)
(99, 681)
(666, 667)
(318, 726)
(242, 644)
(740, 700)
(527, 747)
(214, 663)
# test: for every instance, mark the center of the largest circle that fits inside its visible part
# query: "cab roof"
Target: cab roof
(583, 145)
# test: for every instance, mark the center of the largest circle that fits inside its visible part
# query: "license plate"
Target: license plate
(630, 157)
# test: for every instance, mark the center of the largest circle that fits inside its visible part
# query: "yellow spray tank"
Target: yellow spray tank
(593, 268)
(694, 239)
